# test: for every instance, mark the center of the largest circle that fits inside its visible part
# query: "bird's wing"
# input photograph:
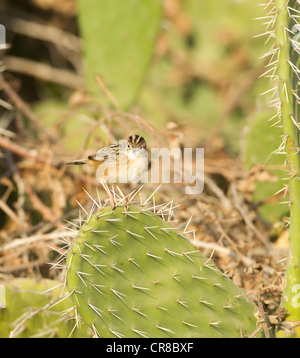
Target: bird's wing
(106, 154)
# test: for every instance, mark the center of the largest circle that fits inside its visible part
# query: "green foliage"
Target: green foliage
(261, 142)
(205, 68)
(287, 22)
(132, 275)
(25, 296)
(118, 41)
(191, 78)
(67, 123)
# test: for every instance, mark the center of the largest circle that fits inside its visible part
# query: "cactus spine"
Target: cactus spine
(287, 50)
(38, 308)
(131, 274)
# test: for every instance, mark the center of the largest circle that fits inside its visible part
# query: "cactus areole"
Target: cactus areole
(131, 274)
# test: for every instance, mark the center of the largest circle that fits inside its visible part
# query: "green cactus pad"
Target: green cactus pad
(132, 275)
(29, 301)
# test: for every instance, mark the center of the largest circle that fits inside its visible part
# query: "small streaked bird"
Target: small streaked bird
(121, 162)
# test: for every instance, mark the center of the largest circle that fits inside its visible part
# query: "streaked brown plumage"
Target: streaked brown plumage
(113, 154)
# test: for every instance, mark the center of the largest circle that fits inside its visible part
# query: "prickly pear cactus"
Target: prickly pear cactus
(287, 22)
(36, 308)
(282, 25)
(132, 275)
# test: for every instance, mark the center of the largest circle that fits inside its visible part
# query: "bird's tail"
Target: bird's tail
(78, 162)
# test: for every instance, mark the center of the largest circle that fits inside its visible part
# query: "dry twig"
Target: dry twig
(24, 108)
(53, 236)
(246, 217)
(43, 72)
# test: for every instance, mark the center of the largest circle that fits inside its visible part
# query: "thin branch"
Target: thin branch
(43, 32)
(24, 108)
(23, 152)
(246, 218)
(35, 238)
(43, 72)
(9, 212)
(219, 193)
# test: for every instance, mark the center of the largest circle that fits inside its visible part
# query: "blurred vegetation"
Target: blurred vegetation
(118, 41)
(203, 74)
(50, 318)
(190, 66)
(78, 75)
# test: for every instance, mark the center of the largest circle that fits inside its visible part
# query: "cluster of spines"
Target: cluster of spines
(121, 296)
(285, 89)
(282, 92)
(283, 27)
(50, 319)
(152, 231)
(164, 211)
(97, 204)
